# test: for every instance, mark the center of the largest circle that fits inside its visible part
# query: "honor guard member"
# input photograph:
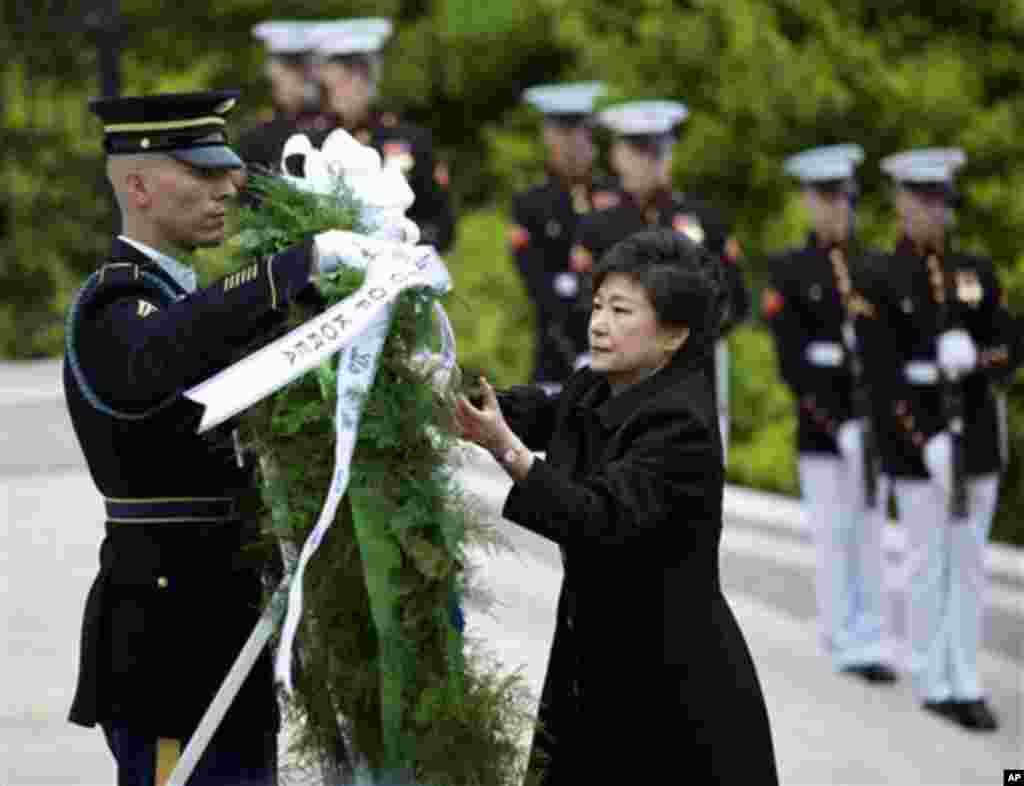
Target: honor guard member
(294, 92)
(544, 221)
(347, 56)
(641, 156)
(179, 585)
(810, 307)
(935, 335)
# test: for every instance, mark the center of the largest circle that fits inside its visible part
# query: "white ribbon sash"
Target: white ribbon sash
(358, 324)
(390, 267)
(361, 321)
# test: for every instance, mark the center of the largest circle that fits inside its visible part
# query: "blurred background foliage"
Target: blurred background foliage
(762, 78)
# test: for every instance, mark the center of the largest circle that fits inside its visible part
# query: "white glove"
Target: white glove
(957, 353)
(824, 354)
(337, 247)
(850, 440)
(938, 459)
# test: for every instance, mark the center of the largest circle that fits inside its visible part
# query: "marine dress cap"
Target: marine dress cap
(928, 169)
(829, 168)
(188, 126)
(568, 103)
(351, 36)
(282, 37)
(644, 118)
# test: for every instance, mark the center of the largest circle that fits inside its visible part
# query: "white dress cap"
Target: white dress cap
(643, 118)
(818, 164)
(928, 165)
(564, 98)
(351, 36)
(285, 37)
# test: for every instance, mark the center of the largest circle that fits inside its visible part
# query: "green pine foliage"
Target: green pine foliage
(413, 702)
(762, 78)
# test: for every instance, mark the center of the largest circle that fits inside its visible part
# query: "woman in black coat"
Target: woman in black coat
(650, 679)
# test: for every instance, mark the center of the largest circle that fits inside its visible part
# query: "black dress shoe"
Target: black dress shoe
(873, 672)
(975, 715)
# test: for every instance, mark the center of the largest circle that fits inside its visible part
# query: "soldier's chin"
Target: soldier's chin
(599, 361)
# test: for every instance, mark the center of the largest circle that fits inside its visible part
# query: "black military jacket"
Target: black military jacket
(544, 223)
(804, 309)
(602, 229)
(413, 149)
(174, 600)
(899, 323)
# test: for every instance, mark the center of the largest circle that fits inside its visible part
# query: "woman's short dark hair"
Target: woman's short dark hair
(683, 281)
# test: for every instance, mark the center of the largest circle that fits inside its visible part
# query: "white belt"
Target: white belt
(921, 372)
(825, 354)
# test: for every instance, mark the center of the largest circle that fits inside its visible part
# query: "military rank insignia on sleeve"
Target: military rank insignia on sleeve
(145, 309)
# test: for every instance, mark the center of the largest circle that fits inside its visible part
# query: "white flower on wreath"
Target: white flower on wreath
(381, 188)
(385, 195)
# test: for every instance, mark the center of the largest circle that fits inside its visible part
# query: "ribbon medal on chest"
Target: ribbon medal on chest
(968, 288)
(689, 225)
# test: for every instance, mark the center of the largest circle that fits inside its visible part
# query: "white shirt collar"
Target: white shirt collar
(183, 274)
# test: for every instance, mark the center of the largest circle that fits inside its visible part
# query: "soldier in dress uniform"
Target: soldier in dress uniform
(347, 55)
(641, 156)
(810, 307)
(179, 585)
(935, 335)
(294, 92)
(544, 221)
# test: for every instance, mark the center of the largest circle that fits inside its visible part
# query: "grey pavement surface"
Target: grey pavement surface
(828, 729)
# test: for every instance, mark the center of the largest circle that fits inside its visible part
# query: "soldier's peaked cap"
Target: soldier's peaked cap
(825, 165)
(286, 37)
(351, 36)
(571, 102)
(191, 127)
(926, 169)
(644, 120)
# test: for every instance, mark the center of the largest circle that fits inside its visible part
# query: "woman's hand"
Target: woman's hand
(486, 427)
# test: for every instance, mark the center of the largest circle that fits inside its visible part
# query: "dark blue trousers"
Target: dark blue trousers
(234, 762)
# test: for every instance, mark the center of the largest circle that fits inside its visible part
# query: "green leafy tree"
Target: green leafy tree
(762, 78)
